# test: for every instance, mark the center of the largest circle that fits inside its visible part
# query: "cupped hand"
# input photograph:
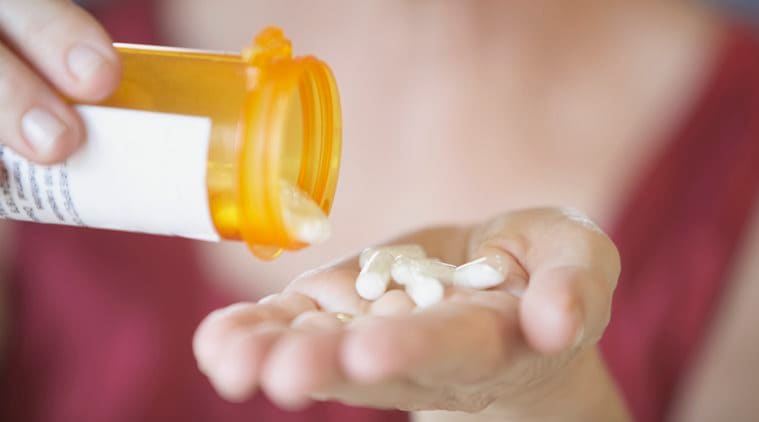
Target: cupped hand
(506, 348)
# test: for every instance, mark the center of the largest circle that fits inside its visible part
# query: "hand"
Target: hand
(498, 349)
(50, 45)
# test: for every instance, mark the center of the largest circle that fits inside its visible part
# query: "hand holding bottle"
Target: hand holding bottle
(50, 46)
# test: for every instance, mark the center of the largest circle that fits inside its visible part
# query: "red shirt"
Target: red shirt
(681, 231)
(102, 321)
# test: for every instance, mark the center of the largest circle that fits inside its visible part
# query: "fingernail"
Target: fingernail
(42, 130)
(84, 61)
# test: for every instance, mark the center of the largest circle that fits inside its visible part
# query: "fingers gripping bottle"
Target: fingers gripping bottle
(198, 144)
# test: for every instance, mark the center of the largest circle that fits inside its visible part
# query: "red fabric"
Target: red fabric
(680, 232)
(130, 21)
(102, 329)
(102, 322)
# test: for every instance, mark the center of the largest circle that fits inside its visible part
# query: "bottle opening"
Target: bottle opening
(290, 156)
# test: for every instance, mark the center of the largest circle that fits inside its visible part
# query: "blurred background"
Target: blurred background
(186, 23)
(431, 110)
(744, 9)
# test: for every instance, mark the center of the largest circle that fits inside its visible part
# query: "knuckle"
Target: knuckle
(12, 79)
(579, 217)
(609, 260)
(9, 82)
(13, 101)
(55, 26)
(42, 23)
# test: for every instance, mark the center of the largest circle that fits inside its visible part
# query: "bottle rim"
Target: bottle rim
(275, 79)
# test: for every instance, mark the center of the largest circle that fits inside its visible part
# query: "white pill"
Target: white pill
(482, 273)
(425, 291)
(374, 278)
(406, 269)
(437, 269)
(304, 219)
(403, 270)
(410, 250)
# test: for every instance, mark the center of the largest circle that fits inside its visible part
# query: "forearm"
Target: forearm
(586, 393)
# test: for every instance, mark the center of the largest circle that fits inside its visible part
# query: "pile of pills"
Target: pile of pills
(423, 278)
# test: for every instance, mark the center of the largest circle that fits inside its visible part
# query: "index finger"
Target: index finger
(65, 43)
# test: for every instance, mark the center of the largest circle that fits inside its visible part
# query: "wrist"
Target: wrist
(583, 391)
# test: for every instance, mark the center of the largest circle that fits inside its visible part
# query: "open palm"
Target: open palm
(506, 347)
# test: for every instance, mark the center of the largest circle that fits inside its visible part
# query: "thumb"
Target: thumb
(566, 266)
(493, 253)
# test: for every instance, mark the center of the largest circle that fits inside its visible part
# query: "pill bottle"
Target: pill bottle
(197, 144)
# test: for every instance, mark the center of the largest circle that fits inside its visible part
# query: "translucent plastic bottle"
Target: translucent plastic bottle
(197, 144)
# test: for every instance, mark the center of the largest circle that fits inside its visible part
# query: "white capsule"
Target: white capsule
(437, 269)
(410, 250)
(304, 219)
(374, 278)
(425, 291)
(482, 273)
(406, 269)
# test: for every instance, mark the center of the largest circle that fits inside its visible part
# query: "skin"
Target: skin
(61, 49)
(427, 105)
(523, 119)
(527, 355)
(476, 351)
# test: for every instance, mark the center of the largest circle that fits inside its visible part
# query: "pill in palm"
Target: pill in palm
(405, 269)
(425, 291)
(423, 278)
(410, 250)
(374, 277)
(482, 273)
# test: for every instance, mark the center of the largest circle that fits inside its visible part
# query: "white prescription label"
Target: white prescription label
(137, 171)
